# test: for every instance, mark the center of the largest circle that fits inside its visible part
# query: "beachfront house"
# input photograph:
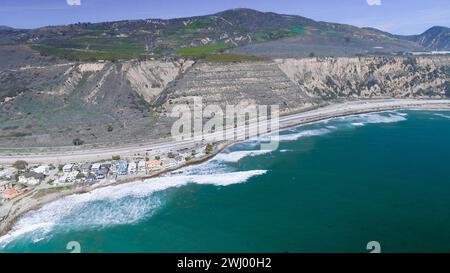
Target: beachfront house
(153, 165)
(114, 168)
(141, 166)
(96, 167)
(29, 181)
(4, 185)
(67, 168)
(86, 168)
(10, 193)
(132, 168)
(8, 173)
(44, 169)
(179, 158)
(72, 177)
(102, 172)
(169, 163)
(123, 166)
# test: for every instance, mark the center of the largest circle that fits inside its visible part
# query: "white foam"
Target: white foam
(306, 133)
(442, 116)
(358, 124)
(238, 155)
(124, 204)
(375, 118)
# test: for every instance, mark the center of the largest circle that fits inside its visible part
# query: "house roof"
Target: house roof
(153, 162)
(11, 193)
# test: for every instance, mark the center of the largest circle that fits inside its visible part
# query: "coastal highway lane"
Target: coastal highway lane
(164, 145)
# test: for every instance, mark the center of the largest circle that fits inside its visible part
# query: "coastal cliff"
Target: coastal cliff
(109, 102)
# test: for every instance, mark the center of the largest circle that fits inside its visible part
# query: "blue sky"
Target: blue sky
(396, 16)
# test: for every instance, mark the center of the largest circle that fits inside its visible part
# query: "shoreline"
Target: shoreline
(20, 207)
(10, 219)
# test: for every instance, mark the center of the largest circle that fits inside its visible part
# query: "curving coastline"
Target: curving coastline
(27, 203)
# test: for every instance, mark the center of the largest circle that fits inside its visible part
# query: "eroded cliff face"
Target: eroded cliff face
(370, 77)
(51, 105)
(150, 78)
(243, 83)
(299, 84)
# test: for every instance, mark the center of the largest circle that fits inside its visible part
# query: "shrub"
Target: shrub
(209, 148)
(77, 142)
(20, 164)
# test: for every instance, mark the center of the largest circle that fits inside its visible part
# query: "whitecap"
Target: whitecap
(306, 133)
(358, 124)
(373, 118)
(442, 115)
(238, 155)
(113, 205)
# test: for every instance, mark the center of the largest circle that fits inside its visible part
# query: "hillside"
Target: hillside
(115, 82)
(436, 38)
(240, 30)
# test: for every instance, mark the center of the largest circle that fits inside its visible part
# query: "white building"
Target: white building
(141, 166)
(132, 168)
(8, 173)
(30, 181)
(96, 167)
(4, 185)
(67, 168)
(44, 169)
(72, 176)
(169, 163)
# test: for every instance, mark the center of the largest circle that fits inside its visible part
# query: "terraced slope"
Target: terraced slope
(243, 83)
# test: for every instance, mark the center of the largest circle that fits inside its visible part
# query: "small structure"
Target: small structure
(67, 168)
(44, 169)
(123, 166)
(132, 168)
(153, 165)
(8, 173)
(4, 185)
(30, 181)
(72, 176)
(169, 163)
(102, 172)
(10, 193)
(179, 159)
(96, 167)
(114, 167)
(86, 168)
(141, 166)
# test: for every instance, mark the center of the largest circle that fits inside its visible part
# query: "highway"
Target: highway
(164, 145)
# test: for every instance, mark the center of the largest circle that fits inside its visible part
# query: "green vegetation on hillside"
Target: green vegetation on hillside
(201, 51)
(199, 25)
(233, 58)
(279, 33)
(92, 48)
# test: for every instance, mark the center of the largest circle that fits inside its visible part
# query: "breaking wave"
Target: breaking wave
(122, 204)
(372, 118)
(238, 155)
(442, 115)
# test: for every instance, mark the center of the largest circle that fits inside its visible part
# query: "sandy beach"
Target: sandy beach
(29, 201)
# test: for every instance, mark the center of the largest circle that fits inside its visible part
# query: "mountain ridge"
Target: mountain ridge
(261, 33)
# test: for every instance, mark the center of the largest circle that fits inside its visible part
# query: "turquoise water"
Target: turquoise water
(331, 187)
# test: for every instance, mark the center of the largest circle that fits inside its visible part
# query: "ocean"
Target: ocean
(332, 186)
